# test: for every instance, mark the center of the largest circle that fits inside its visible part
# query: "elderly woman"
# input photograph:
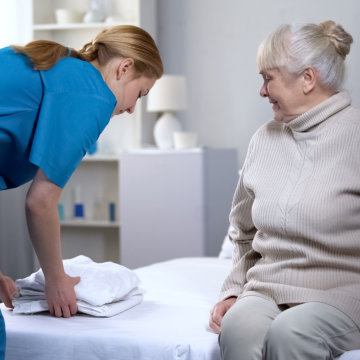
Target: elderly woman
(294, 289)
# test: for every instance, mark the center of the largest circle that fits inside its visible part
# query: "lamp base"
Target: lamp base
(164, 130)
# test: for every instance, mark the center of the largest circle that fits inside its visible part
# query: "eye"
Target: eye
(267, 77)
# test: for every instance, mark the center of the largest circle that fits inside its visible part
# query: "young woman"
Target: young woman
(54, 104)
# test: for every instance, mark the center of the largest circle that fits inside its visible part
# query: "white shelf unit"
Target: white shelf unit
(94, 235)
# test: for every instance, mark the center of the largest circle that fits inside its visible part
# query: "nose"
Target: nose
(263, 91)
(131, 109)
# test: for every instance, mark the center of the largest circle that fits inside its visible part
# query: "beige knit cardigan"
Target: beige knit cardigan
(296, 211)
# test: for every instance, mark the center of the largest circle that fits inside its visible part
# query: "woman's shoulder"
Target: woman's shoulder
(20, 85)
(75, 75)
(348, 121)
(269, 129)
(353, 115)
(68, 70)
(267, 134)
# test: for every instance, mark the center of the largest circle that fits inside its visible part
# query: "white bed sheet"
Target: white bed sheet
(171, 323)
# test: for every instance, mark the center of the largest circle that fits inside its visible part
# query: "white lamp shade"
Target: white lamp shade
(168, 94)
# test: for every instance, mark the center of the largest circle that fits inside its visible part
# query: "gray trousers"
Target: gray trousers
(256, 328)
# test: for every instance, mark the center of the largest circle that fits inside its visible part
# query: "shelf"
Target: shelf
(157, 151)
(101, 158)
(90, 223)
(84, 26)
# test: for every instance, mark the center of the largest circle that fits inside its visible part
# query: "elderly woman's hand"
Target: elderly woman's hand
(7, 290)
(218, 311)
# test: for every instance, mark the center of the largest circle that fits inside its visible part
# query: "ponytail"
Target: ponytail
(125, 41)
(44, 54)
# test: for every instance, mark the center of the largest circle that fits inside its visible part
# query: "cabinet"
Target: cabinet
(175, 203)
(168, 204)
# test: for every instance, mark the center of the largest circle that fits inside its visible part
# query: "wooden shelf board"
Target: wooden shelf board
(90, 223)
(74, 26)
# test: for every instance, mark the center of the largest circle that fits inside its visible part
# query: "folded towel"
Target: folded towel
(105, 289)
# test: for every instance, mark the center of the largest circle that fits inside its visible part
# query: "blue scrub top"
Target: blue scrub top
(48, 119)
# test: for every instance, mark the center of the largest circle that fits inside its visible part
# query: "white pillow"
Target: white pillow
(227, 247)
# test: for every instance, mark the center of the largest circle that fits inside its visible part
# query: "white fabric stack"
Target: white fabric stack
(105, 289)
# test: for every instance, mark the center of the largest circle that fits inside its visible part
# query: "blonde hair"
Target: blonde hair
(296, 47)
(125, 41)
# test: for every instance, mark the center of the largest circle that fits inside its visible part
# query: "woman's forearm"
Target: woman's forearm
(44, 229)
(44, 226)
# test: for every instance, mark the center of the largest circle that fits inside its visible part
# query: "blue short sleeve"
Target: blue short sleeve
(48, 119)
(76, 107)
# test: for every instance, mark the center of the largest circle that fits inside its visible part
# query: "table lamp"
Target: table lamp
(167, 95)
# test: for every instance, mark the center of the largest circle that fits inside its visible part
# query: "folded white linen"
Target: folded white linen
(105, 289)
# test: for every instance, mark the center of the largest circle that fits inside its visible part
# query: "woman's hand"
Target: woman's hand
(7, 290)
(61, 297)
(218, 311)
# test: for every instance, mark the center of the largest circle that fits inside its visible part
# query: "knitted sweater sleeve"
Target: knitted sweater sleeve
(241, 234)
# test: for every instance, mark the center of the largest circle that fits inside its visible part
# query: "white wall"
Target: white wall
(214, 43)
(15, 22)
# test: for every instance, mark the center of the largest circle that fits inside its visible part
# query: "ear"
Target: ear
(309, 79)
(123, 67)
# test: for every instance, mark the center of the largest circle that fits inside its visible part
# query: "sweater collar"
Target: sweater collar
(320, 112)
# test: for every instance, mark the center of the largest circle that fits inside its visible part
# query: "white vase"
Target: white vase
(164, 130)
(97, 12)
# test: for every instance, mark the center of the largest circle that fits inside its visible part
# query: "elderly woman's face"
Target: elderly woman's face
(285, 93)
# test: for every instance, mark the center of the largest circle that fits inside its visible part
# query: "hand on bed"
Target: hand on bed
(61, 296)
(217, 313)
(7, 290)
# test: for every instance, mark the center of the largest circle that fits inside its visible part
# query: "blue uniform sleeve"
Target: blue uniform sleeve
(69, 123)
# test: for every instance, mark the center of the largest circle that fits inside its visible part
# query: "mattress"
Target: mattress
(171, 322)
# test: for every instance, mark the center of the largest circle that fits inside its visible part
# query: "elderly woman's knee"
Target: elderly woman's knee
(239, 328)
(235, 328)
(230, 328)
(239, 338)
(282, 332)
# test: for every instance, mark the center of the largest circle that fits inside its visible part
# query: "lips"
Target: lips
(275, 105)
(271, 101)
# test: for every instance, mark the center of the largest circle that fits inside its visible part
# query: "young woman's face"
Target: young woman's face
(128, 90)
(285, 93)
